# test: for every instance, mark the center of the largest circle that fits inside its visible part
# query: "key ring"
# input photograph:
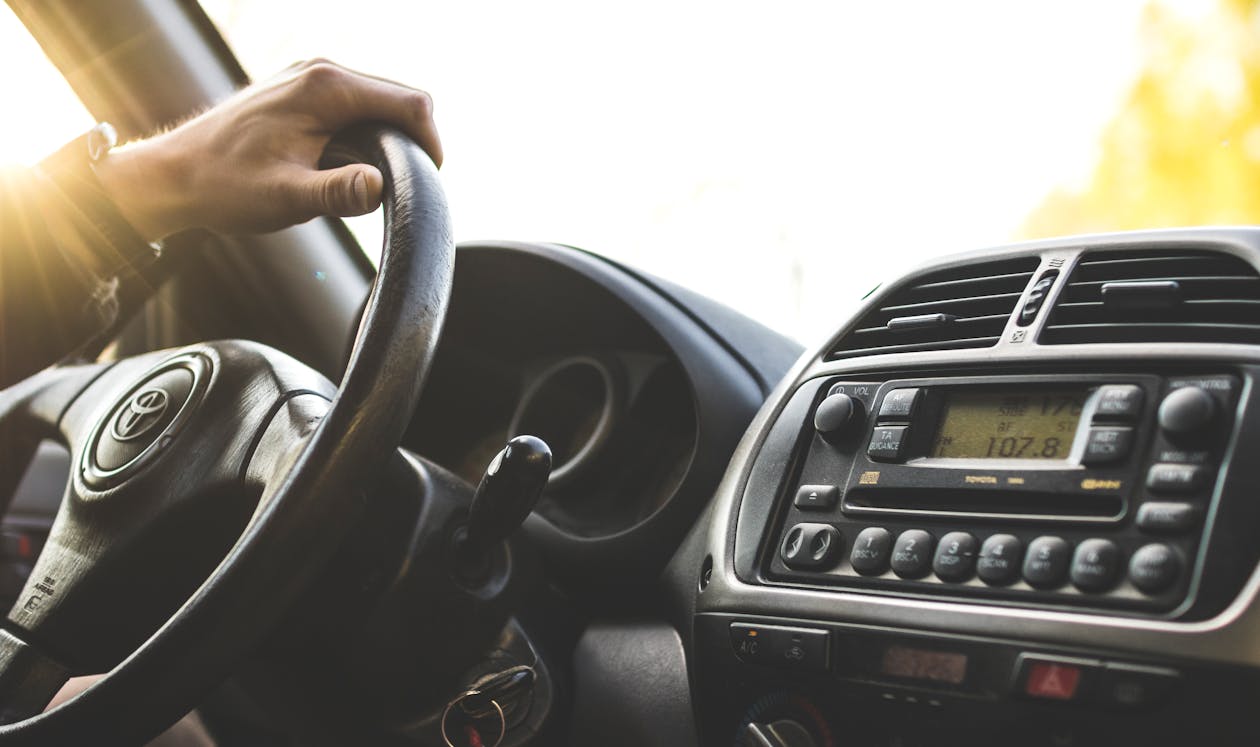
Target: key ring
(459, 699)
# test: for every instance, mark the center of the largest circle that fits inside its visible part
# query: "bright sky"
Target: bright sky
(780, 157)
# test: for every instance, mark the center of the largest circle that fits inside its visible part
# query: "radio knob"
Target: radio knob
(837, 416)
(1187, 411)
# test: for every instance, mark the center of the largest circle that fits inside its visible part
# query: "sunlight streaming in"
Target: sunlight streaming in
(42, 111)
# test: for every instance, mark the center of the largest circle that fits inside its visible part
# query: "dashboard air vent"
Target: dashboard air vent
(962, 307)
(1188, 295)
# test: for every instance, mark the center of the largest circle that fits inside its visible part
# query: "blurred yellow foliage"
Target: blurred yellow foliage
(1184, 148)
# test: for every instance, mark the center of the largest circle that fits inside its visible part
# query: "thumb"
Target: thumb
(345, 191)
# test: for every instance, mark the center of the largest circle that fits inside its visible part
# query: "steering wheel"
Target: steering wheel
(179, 455)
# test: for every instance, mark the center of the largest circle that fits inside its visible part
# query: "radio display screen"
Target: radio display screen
(1009, 424)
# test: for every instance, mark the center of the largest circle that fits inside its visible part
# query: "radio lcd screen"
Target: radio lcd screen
(1009, 424)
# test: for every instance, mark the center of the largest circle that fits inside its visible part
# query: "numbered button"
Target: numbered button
(1095, 565)
(955, 557)
(912, 555)
(1046, 564)
(1000, 558)
(871, 551)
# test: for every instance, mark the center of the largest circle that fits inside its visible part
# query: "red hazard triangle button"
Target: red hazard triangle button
(1054, 681)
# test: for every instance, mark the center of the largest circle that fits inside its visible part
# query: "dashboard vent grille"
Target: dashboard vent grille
(1157, 296)
(962, 307)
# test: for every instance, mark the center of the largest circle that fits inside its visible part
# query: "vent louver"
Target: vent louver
(1188, 295)
(962, 307)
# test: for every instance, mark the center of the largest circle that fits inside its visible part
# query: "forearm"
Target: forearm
(149, 183)
(51, 301)
(249, 165)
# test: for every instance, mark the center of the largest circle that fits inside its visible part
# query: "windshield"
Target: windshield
(46, 112)
(784, 158)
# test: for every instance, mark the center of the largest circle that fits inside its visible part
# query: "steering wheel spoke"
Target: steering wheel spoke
(35, 406)
(282, 440)
(29, 678)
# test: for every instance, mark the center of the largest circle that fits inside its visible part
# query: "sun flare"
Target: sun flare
(41, 111)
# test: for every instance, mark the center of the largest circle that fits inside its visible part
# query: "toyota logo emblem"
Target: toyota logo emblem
(140, 414)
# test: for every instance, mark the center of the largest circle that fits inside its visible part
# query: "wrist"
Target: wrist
(146, 183)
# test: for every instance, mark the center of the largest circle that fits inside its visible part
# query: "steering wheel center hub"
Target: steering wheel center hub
(144, 421)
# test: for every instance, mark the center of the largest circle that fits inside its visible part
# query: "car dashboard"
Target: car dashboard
(1012, 500)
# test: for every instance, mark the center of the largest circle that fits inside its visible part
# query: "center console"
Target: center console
(1014, 500)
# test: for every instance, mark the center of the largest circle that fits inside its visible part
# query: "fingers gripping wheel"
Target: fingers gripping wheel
(145, 431)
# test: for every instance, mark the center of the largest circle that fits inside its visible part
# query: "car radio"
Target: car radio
(1086, 489)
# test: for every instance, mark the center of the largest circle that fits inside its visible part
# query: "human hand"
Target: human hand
(250, 164)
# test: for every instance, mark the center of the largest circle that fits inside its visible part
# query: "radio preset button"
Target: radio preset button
(887, 443)
(899, 404)
(1169, 517)
(1000, 558)
(810, 546)
(871, 551)
(912, 555)
(817, 497)
(1119, 402)
(1095, 565)
(955, 557)
(1107, 445)
(1046, 564)
(1176, 478)
(1154, 568)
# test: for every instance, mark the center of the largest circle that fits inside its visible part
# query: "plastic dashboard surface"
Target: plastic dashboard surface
(1205, 629)
(640, 399)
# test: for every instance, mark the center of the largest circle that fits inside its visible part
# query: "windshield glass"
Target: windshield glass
(785, 157)
(45, 112)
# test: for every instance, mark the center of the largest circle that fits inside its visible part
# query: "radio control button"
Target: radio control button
(1154, 568)
(887, 443)
(810, 547)
(1119, 402)
(1176, 478)
(1186, 411)
(912, 555)
(871, 551)
(1095, 565)
(1107, 445)
(1000, 559)
(1167, 517)
(955, 557)
(817, 497)
(1046, 564)
(899, 404)
(837, 416)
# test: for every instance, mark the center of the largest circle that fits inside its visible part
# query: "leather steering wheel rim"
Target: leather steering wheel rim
(295, 531)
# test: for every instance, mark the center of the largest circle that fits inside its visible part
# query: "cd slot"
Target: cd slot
(997, 504)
